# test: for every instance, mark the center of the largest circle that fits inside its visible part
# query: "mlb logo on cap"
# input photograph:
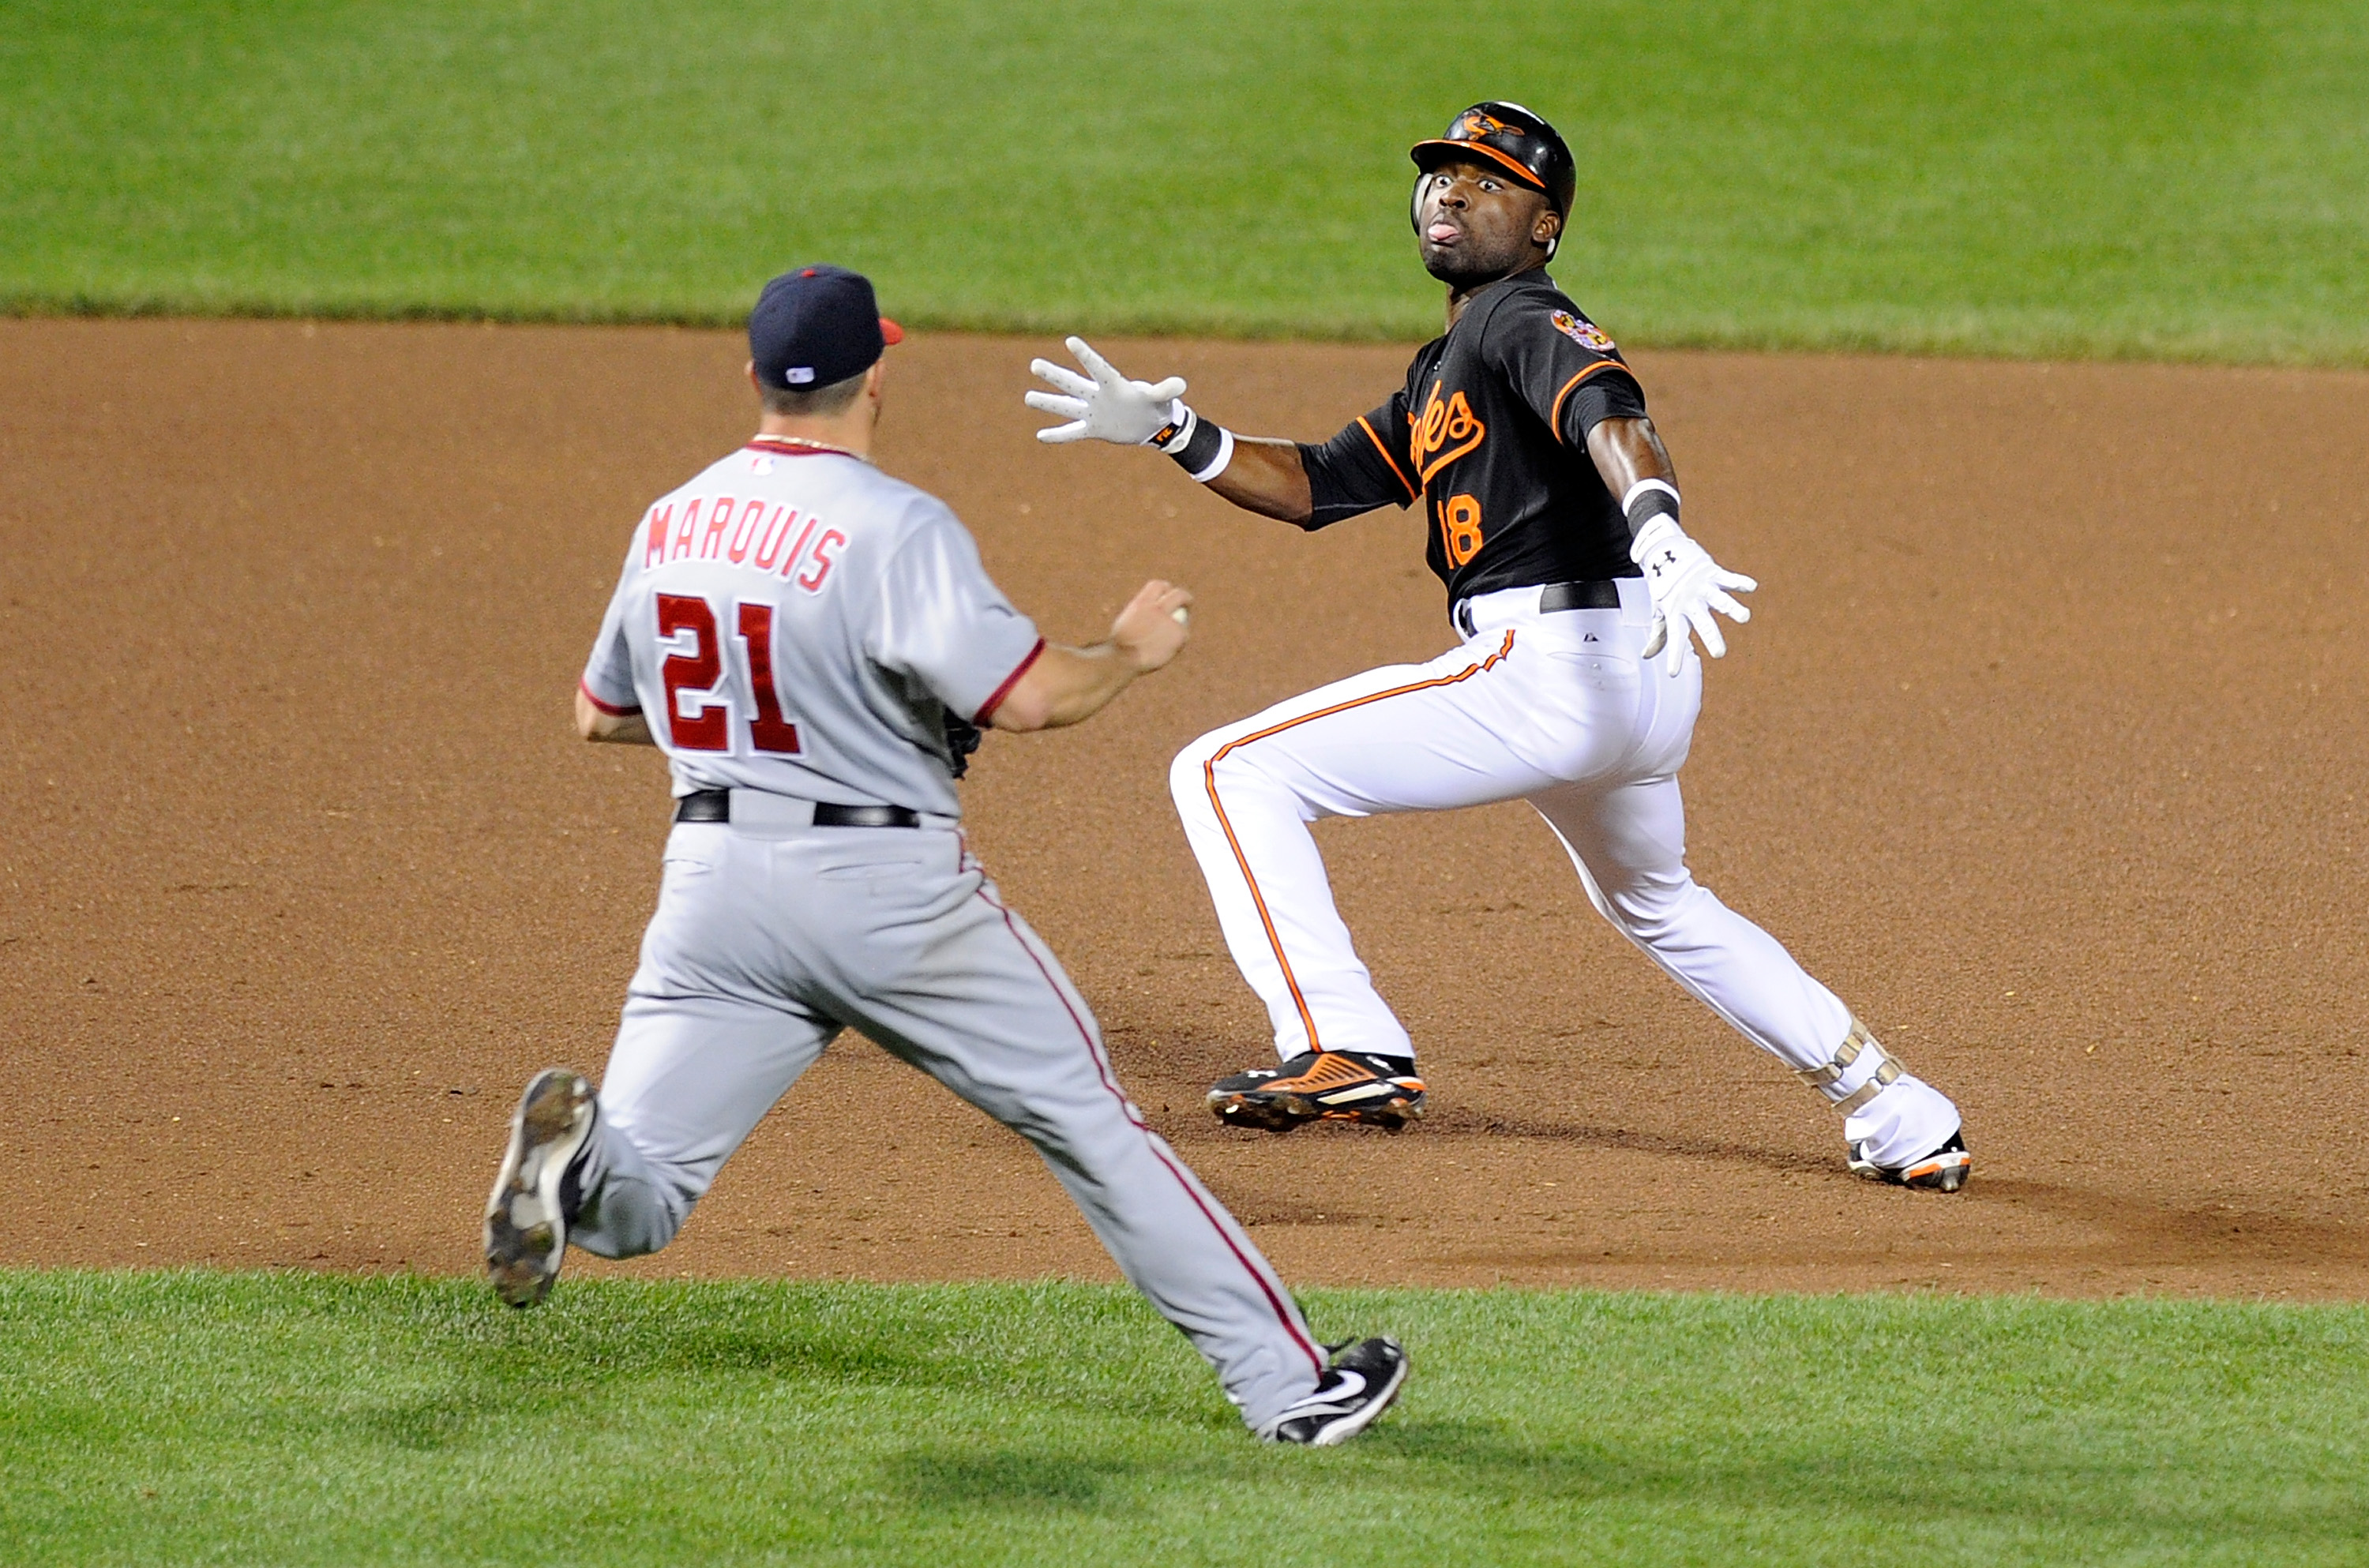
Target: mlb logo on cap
(815, 326)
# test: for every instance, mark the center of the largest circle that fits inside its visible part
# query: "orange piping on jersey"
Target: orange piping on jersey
(1395, 469)
(1210, 781)
(1554, 420)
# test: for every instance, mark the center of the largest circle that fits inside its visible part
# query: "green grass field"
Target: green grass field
(189, 1418)
(2012, 177)
(2142, 177)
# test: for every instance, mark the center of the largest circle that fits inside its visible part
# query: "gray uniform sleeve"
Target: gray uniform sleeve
(609, 673)
(941, 621)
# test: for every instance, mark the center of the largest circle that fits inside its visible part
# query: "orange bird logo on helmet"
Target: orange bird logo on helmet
(1475, 125)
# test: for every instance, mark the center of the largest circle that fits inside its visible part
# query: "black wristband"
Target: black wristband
(1201, 448)
(1647, 499)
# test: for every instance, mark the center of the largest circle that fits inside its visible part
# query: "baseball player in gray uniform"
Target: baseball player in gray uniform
(807, 638)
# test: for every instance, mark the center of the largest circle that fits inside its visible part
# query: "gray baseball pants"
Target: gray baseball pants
(770, 938)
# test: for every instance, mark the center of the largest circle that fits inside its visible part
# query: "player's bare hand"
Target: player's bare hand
(1152, 629)
(1102, 405)
(1686, 585)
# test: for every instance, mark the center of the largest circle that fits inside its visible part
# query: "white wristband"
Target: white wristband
(1218, 463)
(1629, 501)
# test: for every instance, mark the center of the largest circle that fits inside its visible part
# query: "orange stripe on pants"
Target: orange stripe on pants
(1209, 779)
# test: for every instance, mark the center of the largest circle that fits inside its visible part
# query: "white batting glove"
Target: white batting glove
(1686, 585)
(1108, 407)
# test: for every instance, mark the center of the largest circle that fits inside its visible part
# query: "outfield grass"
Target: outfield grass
(189, 1417)
(2019, 176)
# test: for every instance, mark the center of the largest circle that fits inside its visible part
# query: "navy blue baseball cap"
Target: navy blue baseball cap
(816, 325)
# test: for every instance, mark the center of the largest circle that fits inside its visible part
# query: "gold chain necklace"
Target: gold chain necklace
(819, 446)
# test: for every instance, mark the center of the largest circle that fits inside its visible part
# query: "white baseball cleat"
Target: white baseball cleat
(1943, 1171)
(1359, 1386)
(526, 1217)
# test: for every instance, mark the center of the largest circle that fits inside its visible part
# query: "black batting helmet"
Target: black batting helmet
(1510, 137)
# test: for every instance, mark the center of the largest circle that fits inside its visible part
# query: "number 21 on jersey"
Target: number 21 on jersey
(700, 669)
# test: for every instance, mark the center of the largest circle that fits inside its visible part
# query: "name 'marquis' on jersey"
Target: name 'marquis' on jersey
(794, 620)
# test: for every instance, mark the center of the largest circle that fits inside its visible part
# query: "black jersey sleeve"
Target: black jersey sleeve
(1367, 466)
(1563, 365)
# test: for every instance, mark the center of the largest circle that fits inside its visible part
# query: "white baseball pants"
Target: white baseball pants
(768, 940)
(1561, 710)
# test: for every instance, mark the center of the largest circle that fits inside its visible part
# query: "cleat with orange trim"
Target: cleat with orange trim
(1321, 1086)
(1943, 1171)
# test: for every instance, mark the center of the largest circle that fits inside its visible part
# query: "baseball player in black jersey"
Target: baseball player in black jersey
(1552, 518)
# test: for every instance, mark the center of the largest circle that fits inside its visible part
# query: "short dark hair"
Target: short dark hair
(793, 402)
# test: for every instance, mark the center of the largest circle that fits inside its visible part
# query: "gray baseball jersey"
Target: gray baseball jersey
(795, 624)
(795, 621)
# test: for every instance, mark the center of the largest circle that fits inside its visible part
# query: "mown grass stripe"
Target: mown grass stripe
(2003, 177)
(190, 1416)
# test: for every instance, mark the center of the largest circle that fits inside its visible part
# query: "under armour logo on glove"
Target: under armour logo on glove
(1686, 585)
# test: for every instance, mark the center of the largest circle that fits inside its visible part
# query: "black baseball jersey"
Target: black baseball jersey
(1490, 433)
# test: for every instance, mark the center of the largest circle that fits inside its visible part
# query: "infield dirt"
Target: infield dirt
(2044, 748)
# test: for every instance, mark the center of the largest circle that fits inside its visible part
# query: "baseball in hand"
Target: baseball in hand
(1182, 614)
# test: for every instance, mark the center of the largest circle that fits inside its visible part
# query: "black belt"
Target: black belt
(1602, 594)
(716, 806)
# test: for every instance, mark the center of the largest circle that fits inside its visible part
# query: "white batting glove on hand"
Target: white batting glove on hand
(1108, 407)
(1686, 585)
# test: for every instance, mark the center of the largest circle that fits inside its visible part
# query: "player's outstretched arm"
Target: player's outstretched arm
(1258, 473)
(1267, 476)
(626, 730)
(1685, 583)
(1626, 450)
(1067, 685)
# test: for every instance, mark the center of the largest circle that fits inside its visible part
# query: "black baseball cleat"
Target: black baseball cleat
(1359, 1386)
(1321, 1086)
(526, 1217)
(1943, 1171)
